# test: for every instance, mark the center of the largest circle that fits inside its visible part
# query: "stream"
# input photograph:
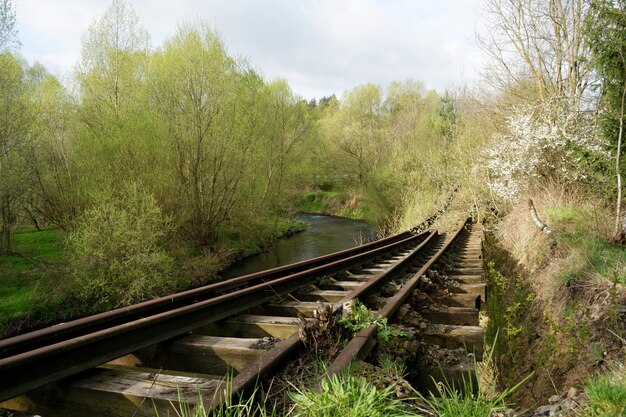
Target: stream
(323, 235)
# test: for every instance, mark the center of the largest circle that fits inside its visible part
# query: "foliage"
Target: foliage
(361, 317)
(117, 250)
(346, 396)
(606, 28)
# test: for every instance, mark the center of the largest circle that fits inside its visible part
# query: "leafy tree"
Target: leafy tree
(15, 120)
(355, 131)
(606, 28)
(53, 154)
(289, 124)
(112, 68)
(201, 97)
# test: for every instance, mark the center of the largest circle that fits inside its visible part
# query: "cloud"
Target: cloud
(320, 46)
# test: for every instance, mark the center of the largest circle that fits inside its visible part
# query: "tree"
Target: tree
(606, 27)
(15, 119)
(540, 39)
(289, 125)
(53, 153)
(112, 70)
(355, 130)
(8, 32)
(201, 96)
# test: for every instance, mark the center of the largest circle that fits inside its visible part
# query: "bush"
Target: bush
(116, 253)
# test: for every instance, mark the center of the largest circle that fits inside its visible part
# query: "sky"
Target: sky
(320, 47)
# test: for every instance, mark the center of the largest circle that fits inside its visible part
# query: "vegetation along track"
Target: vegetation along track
(178, 346)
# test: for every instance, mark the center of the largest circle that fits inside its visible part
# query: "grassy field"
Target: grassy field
(22, 277)
(31, 291)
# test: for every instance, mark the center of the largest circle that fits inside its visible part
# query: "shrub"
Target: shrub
(116, 253)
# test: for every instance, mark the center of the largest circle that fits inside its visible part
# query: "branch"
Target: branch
(541, 225)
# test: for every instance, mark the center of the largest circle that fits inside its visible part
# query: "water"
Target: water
(324, 234)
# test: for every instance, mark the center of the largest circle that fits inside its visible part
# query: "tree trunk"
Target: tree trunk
(5, 239)
(619, 233)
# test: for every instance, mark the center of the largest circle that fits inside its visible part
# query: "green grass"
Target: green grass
(593, 256)
(335, 203)
(317, 201)
(607, 394)
(344, 396)
(468, 398)
(21, 275)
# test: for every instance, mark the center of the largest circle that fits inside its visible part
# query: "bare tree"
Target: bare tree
(8, 32)
(540, 39)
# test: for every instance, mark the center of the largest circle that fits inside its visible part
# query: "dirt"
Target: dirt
(565, 338)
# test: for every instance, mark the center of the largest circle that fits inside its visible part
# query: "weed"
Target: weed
(361, 317)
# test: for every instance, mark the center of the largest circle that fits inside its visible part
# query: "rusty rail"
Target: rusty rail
(35, 359)
(363, 342)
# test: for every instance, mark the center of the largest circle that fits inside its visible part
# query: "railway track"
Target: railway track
(151, 355)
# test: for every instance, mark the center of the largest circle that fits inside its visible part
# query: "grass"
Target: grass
(334, 203)
(593, 257)
(585, 227)
(607, 394)
(469, 398)
(343, 396)
(260, 236)
(21, 276)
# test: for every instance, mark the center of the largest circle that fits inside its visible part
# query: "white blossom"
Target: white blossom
(540, 143)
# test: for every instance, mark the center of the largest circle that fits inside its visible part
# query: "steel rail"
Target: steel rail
(75, 328)
(363, 342)
(35, 368)
(279, 353)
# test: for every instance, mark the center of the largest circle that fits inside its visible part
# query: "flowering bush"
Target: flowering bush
(543, 141)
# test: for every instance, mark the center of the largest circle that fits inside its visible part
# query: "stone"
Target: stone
(572, 393)
(554, 410)
(569, 404)
(544, 410)
(555, 399)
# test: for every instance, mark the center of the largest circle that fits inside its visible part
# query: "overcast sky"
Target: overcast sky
(320, 46)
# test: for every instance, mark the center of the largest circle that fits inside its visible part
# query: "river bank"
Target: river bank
(323, 234)
(33, 283)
